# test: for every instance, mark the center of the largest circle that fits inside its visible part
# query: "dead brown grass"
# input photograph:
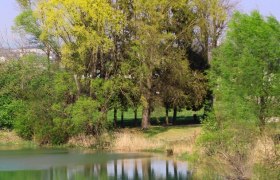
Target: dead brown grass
(135, 141)
(265, 151)
(179, 140)
(185, 146)
(82, 140)
(10, 137)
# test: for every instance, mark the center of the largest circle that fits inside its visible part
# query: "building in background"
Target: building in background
(8, 54)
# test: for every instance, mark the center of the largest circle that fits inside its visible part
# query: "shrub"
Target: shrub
(87, 118)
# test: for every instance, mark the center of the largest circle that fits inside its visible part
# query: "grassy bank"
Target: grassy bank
(11, 139)
(178, 139)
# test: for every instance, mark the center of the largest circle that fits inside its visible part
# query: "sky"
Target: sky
(9, 10)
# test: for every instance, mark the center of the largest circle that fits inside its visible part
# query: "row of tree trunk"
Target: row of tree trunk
(174, 117)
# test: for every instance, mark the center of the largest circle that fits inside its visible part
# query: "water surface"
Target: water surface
(60, 164)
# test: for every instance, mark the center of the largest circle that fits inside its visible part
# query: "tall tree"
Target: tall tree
(85, 27)
(179, 86)
(211, 21)
(199, 25)
(247, 67)
(245, 77)
(148, 48)
(26, 23)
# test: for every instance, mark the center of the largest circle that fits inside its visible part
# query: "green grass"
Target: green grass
(157, 117)
(172, 133)
(155, 130)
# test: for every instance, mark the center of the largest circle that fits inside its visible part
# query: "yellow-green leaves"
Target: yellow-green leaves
(83, 25)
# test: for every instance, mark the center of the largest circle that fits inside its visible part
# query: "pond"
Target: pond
(60, 164)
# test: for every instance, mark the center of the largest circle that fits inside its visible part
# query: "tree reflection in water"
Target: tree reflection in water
(133, 169)
(64, 164)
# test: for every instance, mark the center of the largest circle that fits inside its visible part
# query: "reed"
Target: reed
(133, 141)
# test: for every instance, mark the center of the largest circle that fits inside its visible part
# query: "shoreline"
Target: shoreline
(173, 141)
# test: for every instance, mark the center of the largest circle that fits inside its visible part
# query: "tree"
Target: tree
(199, 25)
(244, 76)
(26, 23)
(212, 19)
(148, 48)
(115, 50)
(153, 40)
(85, 28)
(179, 86)
(247, 66)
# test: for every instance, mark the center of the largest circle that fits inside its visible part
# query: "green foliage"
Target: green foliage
(61, 130)
(83, 31)
(118, 55)
(23, 121)
(27, 23)
(246, 67)
(24, 3)
(6, 111)
(114, 55)
(178, 85)
(245, 81)
(86, 117)
(64, 87)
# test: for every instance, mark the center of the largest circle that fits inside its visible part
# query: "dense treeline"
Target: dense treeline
(104, 55)
(109, 55)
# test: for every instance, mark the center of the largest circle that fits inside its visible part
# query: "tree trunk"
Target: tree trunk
(262, 114)
(174, 115)
(195, 118)
(146, 87)
(209, 102)
(78, 85)
(115, 117)
(135, 117)
(145, 117)
(122, 120)
(166, 116)
(146, 110)
(49, 59)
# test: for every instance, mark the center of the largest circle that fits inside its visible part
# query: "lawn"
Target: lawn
(172, 133)
(184, 117)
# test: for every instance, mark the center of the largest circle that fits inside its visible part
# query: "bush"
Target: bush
(6, 112)
(23, 121)
(61, 131)
(87, 118)
(229, 147)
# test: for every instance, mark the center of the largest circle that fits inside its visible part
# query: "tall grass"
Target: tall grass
(157, 139)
